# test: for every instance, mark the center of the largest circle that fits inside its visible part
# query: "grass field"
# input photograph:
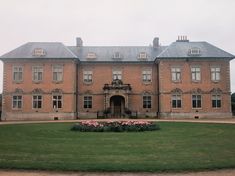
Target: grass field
(176, 147)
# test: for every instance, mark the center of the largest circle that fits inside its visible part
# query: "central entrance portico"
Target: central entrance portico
(116, 98)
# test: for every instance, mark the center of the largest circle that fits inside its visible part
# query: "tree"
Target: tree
(0, 106)
(0, 101)
(233, 102)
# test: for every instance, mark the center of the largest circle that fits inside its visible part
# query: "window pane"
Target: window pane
(214, 103)
(54, 76)
(39, 104)
(173, 76)
(19, 104)
(87, 103)
(146, 101)
(54, 104)
(17, 73)
(217, 76)
(57, 73)
(196, 73)
(40, 76)
(179, 104)
(17, 101)
(34, 104)
(194, 103)
(213, 76)
(198, 76)
(59, 76)
(59, 104)
(199, 104)
(173, 103)
(20, 76)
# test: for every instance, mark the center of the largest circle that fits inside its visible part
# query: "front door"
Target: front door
(117, 106)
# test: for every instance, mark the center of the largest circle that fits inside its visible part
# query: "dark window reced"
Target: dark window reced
(196, 101)
(87, 102)
(147, 101)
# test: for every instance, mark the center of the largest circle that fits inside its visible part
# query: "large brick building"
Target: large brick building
(48, 80)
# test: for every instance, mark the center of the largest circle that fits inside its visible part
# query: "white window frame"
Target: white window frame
(196, 73)
(215, 73)
(196, 101)
(117, 55)
(147, 75)
(176, 74)
(147, 101)
(55, 71)
(57, 100)
(143, 55)
(194, 52)
(16, 70)
(17, 102)
(39, 52)
(176, 97)
(117, 74)
(36, 70)
(37, 100)
(87, 102)
(87, 76)
(91, 55)
(216, 97)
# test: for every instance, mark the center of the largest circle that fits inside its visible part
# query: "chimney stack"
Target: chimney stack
(182, 38)
(79, 42)
(156, 42)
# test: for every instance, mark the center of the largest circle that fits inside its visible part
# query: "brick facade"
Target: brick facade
(84, 99)
(27, 88)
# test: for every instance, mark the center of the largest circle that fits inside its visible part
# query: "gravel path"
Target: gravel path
(227, 172)
(221, 120)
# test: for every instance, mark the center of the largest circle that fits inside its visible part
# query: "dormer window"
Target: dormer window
(194, 51)
(39, 52)
(91, 55)
(142, 55)
(116, 55)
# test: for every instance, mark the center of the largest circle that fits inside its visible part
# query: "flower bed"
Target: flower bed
(114, 126)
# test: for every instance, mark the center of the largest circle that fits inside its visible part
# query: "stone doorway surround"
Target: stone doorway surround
(116, 89)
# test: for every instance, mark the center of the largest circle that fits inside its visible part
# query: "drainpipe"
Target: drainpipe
(158, 88)
(76, 93)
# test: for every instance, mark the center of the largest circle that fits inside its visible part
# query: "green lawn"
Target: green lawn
(176, 147)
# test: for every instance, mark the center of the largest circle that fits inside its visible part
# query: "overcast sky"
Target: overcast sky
(117, 22)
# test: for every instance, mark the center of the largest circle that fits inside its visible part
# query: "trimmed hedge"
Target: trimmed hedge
(115, 126)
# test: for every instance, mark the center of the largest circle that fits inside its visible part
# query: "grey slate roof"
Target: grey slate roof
(52, 49)
(105, 53)
(180, 50)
